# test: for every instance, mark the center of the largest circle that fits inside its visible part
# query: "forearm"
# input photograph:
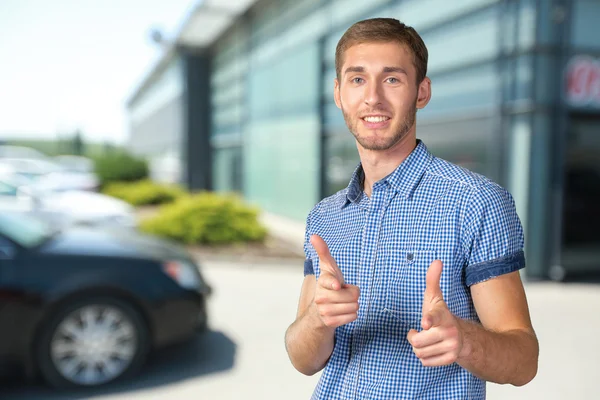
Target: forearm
(500, 357)
(309, 342)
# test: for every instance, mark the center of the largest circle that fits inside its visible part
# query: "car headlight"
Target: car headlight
(184, 273)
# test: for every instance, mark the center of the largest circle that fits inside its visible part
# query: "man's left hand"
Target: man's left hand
(441, 340)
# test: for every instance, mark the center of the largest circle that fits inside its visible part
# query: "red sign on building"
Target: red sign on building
(583, 82)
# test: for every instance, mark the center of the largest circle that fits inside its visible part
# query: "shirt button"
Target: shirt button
(410, 256)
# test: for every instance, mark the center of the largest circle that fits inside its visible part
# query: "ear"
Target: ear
(424, 93)
(336, 93)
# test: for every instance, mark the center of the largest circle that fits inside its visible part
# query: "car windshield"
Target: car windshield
(25, 230)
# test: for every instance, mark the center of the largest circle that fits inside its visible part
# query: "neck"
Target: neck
(377, 164)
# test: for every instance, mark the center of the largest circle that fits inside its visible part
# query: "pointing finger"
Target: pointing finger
(327, 262)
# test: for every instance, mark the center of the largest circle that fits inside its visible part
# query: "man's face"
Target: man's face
(378, 93)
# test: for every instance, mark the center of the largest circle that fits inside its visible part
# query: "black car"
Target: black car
(83, 307)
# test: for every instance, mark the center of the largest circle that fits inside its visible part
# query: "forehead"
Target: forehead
(378, 54)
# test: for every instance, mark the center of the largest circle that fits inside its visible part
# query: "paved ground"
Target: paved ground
(244, 357)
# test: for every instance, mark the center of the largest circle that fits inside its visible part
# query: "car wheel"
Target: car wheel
(92, 342)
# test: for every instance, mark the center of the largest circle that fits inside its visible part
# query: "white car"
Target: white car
(64, 208)
(50, 175)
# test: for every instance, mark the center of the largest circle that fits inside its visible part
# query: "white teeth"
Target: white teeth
(375, 119)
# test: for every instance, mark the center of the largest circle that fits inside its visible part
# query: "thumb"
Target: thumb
(434, 317)
(327, 262)
(433, 292)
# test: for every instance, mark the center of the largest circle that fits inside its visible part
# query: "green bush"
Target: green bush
(144, 192)
(206, 218)
(120, 166)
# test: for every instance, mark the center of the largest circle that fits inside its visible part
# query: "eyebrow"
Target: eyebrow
(354, 69)
(395, 69)
(385, 70)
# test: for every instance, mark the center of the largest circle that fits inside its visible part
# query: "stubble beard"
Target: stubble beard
(407, 123)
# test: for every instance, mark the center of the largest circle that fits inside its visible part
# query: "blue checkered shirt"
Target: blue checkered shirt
(426, 209)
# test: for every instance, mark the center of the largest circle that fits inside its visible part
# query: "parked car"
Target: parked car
(10, 151)
(73, 207)
(83, 308)
(75, 163)
(50, 175)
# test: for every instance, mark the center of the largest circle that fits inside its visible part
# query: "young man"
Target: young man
(411, 285)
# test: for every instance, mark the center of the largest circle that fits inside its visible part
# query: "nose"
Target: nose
(373, 95)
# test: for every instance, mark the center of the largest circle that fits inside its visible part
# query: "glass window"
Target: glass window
(300, 33)
(330, 45)
(7, 190)
(341, 159)
(550, 15)
(227, 116)
(287, 85)
(232, 70)
(585, 28)
(328, 83)
(519, 150)
(527, 15)
(458, 45)
(347, 12)
(24, 230)
(231, 45)
(464, 142)
(281, 161)
(166, 87)
(475, 87)
(524, 78)
(509, 26)
(545, 71)
(227, 170)
(333, 115)
(226, 94)
(581, 214)
(425, 13)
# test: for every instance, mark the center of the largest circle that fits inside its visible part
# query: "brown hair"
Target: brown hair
(383, 30)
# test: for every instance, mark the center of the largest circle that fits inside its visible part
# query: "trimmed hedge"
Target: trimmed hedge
(207, 218)
(120, 166)
(144, 192)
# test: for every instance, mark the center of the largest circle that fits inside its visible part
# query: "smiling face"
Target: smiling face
(378, 93)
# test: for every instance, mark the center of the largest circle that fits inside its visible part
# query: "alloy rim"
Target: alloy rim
(93, 345)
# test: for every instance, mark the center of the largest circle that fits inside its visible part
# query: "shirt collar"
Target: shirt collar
(403, 179)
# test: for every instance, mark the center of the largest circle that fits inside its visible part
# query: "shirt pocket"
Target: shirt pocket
(407, 270)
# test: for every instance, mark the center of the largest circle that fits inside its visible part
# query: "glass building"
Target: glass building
(243, 101)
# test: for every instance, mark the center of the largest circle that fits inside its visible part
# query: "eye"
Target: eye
(357, 80)
(393, 80)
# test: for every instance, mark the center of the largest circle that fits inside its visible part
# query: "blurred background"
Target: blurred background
(195, 136)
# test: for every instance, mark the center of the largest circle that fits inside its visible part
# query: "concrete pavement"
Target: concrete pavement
(244, 356)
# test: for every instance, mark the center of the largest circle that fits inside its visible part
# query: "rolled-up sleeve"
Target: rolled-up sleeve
(495, 235)
(308, 249)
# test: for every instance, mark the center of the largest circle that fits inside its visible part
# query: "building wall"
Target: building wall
(498, 107)
(491, 105)
(156, 124)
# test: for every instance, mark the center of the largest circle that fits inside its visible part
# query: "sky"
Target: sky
(73, 64)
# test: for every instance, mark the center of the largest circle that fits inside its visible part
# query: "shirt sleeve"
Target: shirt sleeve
(495, 239)
(308, 263)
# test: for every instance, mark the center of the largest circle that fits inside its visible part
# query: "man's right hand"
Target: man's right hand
(336, 302)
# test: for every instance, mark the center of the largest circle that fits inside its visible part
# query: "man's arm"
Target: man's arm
(503, 349)
(324, 305)
(308, 341)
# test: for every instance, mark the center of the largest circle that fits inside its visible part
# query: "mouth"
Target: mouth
(375, 118)
(376, 121)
